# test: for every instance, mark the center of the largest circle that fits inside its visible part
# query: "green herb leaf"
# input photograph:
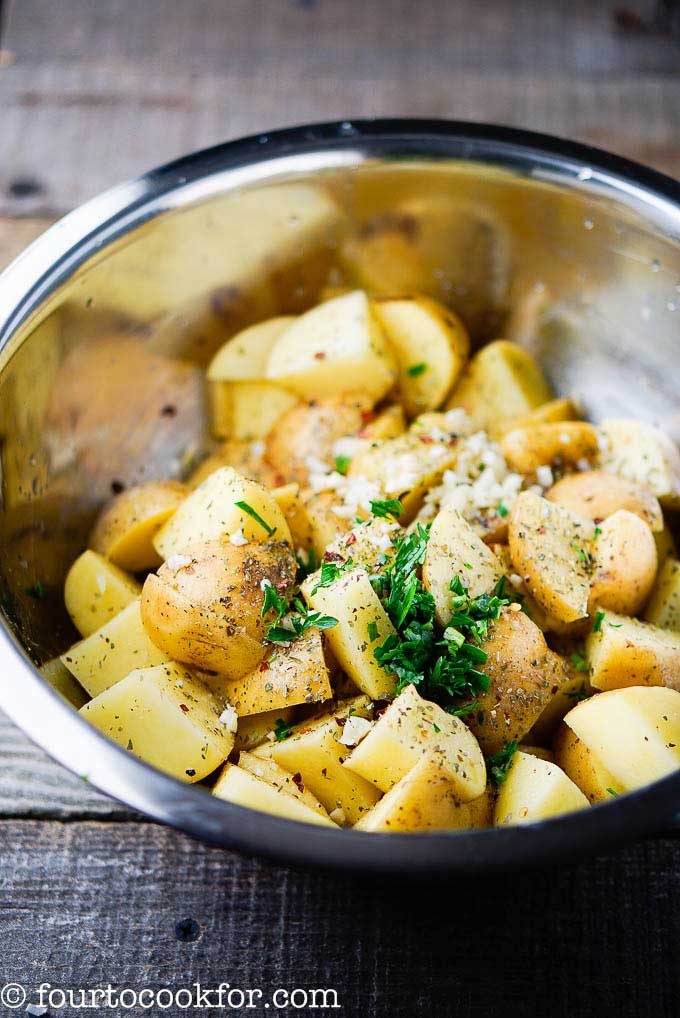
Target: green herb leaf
(390, 508)
(597, 624)
(372, 631)
(37, 591)
(502, 510)
(417, 369)
(282, 730)
(273, 600)
(342, 464)
(330, 571)
(498, 765)
(612, 792)
(247, 508)
(579, 661)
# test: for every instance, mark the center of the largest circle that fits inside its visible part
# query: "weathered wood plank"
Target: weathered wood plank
(88, 904)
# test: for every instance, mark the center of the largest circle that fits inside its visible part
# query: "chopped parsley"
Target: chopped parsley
(417, 369)
(390, 508)
(282, 730)
(299, 622)
(502, 510)
(273, 600)
(498, 765)
(597, 624)
(372, 631)
(444, 669)
(579, 661)
(612, 792)
(598, 531)
(330, 571)
(578, 694)
(37, 591)
(342, 464)
(460, 712)
(247, 508)
(585, 558)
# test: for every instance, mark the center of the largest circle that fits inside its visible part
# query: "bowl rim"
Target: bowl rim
(63, 734)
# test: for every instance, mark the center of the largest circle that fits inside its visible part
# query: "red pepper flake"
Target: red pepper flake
(351, 539)
(279, 480)
(332, 556)
(183, 707)
(367, 416)
(264, 666)
(282, 585)
(426, 439)
(297, 781)
(320, 355)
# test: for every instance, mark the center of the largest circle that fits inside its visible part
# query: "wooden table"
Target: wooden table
(90, 894)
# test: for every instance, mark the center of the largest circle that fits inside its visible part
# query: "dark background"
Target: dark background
(92, 92)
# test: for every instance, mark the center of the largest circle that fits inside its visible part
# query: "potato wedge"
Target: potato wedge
(642, 453)
(663, 607)
(204, 609)
(634, 733)
(581, 765)
(626, 652)
(254, 729)
(455, 550)
(425, 800)
(295, 512)
(213, 511)
(95, 591)
(534, 790)
(525, 677)
(166, 716)
(244, 788)
(325, 526)
(332, 347)
(501, 382)
(112, 652)
(243, 358)
(285, 677)
(389, 423)
(567, 444)
(559, 409)
(430, 346)
(595, 494)
(125, 530)
(625, 564)
(315, 751)
(409, 728)
(575, 687)
(550, 550)
(353, 602)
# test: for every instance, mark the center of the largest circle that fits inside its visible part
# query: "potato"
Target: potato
(626, 652)
(535, 790)
(254, 729)
(95, 591)
(550, 549)
(112, 652)
(565, 444)
(204, 609)
(596, 495)
(409, 728)
(325, 526)
(211, 511)
(525, 676)
(547, 413)
(624, 564)
(166, 716)
(663, 607)
(389, 423)
(369, 545)
(501, 382)
(634, 733)
(665, 545)
(539, 751)
(315, 751)
(425, 800)
(353, 602)
(60, 679)
(575, 685)
(247, 459)
(405, 467)
(642, 453)
(125, 530)
(263, 785)
(287, 676)
(295, 512)
(331, 348)
(455, 550)
(583, 767)
(306, 435)
(430, 345)
(243, 358)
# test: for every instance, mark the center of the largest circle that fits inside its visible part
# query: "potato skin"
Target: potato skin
(125, 528)
(204, 609)
(310, 430)
(525, 675)
(564, 443)
(596, 495)
(625, 564)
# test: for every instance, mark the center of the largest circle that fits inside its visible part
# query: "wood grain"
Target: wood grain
(117, 891)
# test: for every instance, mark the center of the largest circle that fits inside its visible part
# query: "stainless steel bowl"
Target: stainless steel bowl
(106, 320)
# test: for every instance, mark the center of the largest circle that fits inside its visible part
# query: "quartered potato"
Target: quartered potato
(126, 528)
(626, 652)
(95, 591)
(642, 453)
(501, 383)
(584, 768)
(595, 494)
(534, 790)
(547, 413)
(663, 607)
(633, 733)
(455, 550)
(567, 444)
(409, 728)
(263, 785)
(166, 716)
(430, 346)
(551, 550)
(625, 562)
(332, 348)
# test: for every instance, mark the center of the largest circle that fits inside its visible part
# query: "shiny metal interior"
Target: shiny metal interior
(106, 322)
